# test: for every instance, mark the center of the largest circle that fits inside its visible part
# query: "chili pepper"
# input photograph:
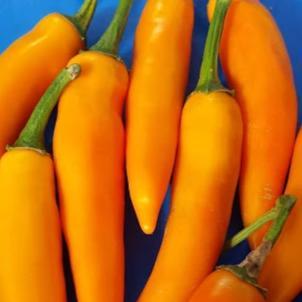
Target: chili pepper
(30, 254)
(156, 95)
(225, 286)
(282, 272)
(29, 65)
(257, 66)
(239, 282)
(89, 156)
(204, 182)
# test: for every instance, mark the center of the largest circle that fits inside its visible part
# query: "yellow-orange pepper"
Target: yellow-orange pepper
(31, 246)
(204, 183)
(282, 272)
(89, 151)
(257, 66)
(224, 286)
(238, 283)
(156, 95)
(29, 65)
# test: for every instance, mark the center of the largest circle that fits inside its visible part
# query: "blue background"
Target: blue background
(18, 16)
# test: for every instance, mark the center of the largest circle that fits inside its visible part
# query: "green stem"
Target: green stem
(285, 204)
(248, 270)
(254, 261)
(32, 136)
(84, 16)
(279, 212)
(246, 232)
(109, 42)
(209, 80)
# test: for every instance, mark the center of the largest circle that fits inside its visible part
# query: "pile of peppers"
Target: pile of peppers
(116, 128)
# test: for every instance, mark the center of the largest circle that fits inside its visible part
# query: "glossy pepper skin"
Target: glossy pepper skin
(204, 182)
(30, 64)
(156, 95)
(282, 272)
(89, 157)
(31, 256)
(31, 246)
(257, 66)
(224, 286)
(240, 282)
(202, 196)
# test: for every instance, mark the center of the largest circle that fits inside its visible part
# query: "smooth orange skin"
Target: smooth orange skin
(206, 174)
(211, 7)
(31, 246)
(224, 286)
(156, 95)
(257, 66)
(282, 271)
(28, 67)
(89, 157)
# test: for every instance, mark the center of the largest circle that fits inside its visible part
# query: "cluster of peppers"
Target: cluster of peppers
(218, 138)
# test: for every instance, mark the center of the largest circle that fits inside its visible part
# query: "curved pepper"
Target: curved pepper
(31, 246)
(282, 272)
(89, 151)
(205, 179)
(257, 66)
(29, 65)
(156, 95)
(238, 283)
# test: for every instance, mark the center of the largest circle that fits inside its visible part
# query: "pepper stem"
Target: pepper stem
(254, 261)
(267, 217)
(286, 203)
(248, 270)
(32, 135)
(84, 16)
(109, 42)
(209, 80)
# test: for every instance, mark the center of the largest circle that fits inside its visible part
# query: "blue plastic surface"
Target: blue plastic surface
(18, 16)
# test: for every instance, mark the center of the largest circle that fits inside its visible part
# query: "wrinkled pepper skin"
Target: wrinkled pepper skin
(282, 271)
(31, 245)
(89, 157)
(204, 183)
(28, 66)
(156, 96)
(224, 286)
(257, 66)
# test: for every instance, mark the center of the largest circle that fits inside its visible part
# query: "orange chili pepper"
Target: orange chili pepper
(282, 272)
(35, 59)
(238, 283)
(156, 95)
(224, 286)
(205, 179)
(89, 156)
(257, 66)
(31, 245)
